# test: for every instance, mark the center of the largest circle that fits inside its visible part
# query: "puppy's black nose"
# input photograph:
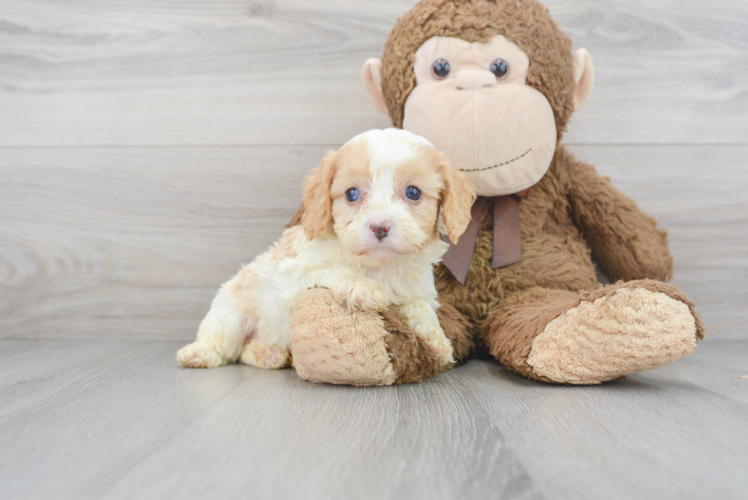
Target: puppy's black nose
(380, 230)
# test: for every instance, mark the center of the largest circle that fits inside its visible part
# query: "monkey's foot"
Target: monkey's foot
(616, 330)
(333, 345)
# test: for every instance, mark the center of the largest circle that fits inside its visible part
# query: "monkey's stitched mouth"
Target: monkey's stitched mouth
(498, 165)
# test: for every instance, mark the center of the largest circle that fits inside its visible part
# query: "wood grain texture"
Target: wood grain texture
(112, 419)
(95, 239)
(135, 241)
(672, 432)
(231, 72)
(117, 419)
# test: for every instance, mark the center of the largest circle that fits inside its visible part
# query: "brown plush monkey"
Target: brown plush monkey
(493, 83)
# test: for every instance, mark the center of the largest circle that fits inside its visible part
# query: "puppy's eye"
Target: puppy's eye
(440, 69)
(351, 195)
(413, 193)
(499, 68)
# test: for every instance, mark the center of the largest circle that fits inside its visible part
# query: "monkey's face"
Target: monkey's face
(472, 102)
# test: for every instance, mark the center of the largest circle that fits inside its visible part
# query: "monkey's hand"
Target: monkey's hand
(626, 243)
(333, 345)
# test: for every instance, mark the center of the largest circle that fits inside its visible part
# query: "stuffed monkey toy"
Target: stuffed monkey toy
(493, 83)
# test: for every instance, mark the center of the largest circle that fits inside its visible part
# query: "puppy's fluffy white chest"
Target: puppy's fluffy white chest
(272, 282)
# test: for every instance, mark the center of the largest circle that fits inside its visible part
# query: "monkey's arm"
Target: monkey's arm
(626, 243)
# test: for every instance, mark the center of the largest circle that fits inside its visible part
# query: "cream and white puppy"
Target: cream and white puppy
(376, 211)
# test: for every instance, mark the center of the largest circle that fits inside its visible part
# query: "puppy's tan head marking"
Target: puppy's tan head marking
(317, 202)
(448, 186)
(383, 191)
(457, 198)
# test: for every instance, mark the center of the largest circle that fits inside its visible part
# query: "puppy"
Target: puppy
(376, 213)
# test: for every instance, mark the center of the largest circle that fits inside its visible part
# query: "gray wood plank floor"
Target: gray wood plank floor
(120, 419)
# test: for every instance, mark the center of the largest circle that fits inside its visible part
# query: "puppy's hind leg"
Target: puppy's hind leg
(259, 353)
(221, 335)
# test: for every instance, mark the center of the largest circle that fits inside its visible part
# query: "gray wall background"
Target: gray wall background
(149, 147)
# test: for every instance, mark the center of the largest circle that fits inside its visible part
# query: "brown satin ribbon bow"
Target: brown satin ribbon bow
(507, 240)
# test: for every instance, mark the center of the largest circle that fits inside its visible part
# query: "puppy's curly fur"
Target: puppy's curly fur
(376, 212)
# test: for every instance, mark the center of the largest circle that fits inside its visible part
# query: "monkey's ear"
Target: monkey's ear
(317, 201)
(584, 76)
(371, 74)
(457, 200)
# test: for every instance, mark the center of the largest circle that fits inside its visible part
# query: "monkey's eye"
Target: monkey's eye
(413, 193)
(351, 195)
(440, 69)
(499, 68)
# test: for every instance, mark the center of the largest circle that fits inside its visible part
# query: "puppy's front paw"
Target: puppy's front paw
(425, 323)
(362, 295)
(439, 347)
(198, 355)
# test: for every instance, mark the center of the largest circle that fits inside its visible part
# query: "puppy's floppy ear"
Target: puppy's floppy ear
(457, 199)
(317, 201)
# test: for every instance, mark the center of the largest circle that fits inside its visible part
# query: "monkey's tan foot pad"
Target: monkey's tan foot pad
(333, 345)
(330, 344)
(616, 330)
